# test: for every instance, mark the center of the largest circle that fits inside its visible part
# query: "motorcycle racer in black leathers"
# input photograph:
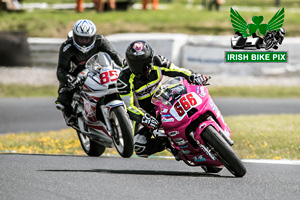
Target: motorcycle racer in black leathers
(137, 83)
(73, 55)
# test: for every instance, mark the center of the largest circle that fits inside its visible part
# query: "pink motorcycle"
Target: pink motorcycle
(194, 129)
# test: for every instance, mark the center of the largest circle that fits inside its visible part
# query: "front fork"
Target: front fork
(221, 131)
(210, 121)
(105, 109)
(202, 126)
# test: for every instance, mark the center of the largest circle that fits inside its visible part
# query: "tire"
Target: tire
(122, 131)
(224, 152)
(90, 147)
(209, 169)
(269, 44)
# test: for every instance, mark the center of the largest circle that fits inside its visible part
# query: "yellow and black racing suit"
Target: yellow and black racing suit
(137, 94)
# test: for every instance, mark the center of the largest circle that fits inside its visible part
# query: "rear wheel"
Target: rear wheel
(90, 147)
(122, 131)
(224, 152)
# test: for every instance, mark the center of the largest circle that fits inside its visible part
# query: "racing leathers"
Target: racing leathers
(137, 93)
(71, 62)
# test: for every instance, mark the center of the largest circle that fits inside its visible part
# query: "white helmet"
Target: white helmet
(84, 35)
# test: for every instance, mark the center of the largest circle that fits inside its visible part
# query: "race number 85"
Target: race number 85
(184, 104)
(108, 76)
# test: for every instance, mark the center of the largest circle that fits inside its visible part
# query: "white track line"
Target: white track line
(280, 162)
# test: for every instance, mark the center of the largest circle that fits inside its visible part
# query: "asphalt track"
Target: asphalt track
(40, 114)
(110, 178)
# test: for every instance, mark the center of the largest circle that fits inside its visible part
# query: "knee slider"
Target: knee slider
(59, 106)
(140, 142)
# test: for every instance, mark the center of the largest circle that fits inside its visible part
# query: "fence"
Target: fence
(200, 53)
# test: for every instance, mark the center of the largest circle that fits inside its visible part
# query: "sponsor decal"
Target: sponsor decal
(82, 63)
(167, 120)
(164, 110)
(90, 112)
(148, 90)
(214, 107)
(211, 103)
(180, 141)
(173, 133)
(185, 146)
(66, 47)
(218, 113)
(185, 151)
(166, 115)
(202, 94)
(199, 158)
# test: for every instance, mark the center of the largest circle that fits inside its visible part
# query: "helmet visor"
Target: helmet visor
(83, 41)
(140, 67)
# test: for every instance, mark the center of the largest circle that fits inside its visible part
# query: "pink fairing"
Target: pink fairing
(183, 108)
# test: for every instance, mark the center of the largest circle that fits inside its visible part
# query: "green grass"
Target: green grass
(255, 137)
(266, 136)
(251, 91)
(245, 91)
(27, 91)
(264, 3)
(176, 19)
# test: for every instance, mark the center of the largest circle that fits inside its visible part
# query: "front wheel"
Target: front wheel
(90, 147)
(224, 151)
(269, 44)
(122, 131)
(211, 169)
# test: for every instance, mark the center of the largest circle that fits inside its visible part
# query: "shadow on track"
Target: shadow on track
(145, 172)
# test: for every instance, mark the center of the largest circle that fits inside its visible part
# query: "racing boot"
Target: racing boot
(68, 114)
(145, 146)
(69, 117)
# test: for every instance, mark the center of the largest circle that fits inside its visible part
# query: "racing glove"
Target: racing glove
(198, 79)
(73, 82)
(149, 122)
(124, 63)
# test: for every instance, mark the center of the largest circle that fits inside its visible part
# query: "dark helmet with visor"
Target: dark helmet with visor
(139, 56)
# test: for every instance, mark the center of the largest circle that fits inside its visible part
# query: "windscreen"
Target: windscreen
(98, 61)
(170, 91)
